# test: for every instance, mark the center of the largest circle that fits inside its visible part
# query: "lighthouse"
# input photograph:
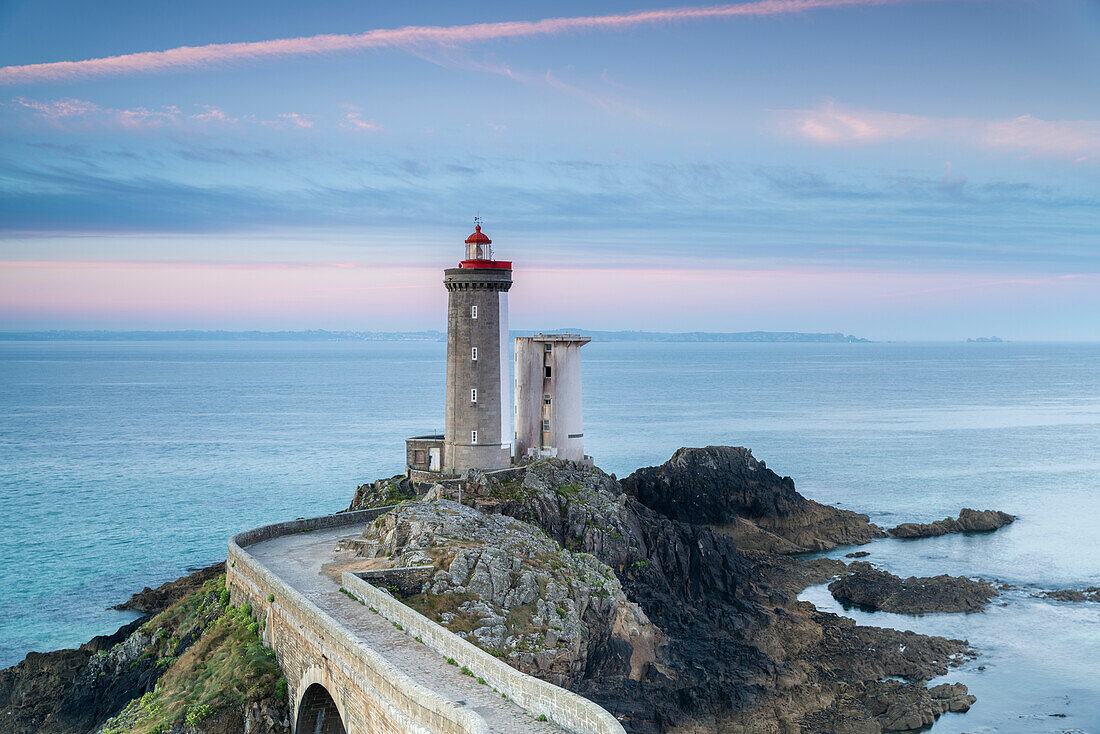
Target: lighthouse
(478, 405)
(477, 431)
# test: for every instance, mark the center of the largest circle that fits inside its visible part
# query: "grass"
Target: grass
(227, 665)
(433, 606)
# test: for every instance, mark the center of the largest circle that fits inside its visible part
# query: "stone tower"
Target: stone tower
(548, 409)
(477, 424)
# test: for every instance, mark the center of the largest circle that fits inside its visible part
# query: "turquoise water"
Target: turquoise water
(121, 464)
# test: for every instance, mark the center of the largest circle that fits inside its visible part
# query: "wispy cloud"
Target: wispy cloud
(194, 57)
(353, 120)
(838, 125)
(606, 103)
(71, 114)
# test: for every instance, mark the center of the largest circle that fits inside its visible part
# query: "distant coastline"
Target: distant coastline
(431, 336)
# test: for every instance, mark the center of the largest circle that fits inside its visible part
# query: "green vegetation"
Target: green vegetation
(541, 717)
(226, 665)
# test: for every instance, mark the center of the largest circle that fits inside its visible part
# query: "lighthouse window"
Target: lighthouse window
(473, 395)
(547, 371)
(546, 399)
(473, 353)
(473, 312)
(473, 436)
(546, 425)
(549, 347)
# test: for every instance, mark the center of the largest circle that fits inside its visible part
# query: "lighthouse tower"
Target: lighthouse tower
(477, 424)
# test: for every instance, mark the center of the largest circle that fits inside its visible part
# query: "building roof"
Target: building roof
(477, 238)
(577, 338)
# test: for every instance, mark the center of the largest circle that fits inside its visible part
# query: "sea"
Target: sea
(123, 464)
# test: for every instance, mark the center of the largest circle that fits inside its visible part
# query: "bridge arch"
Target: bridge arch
(317, 710)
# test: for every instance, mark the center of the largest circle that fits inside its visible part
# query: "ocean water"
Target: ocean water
(122, 464)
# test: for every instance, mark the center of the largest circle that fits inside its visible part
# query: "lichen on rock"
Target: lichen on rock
(504, 585)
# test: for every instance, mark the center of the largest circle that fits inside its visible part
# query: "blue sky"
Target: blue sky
(896, 169)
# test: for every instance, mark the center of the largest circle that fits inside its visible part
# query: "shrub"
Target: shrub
(280, 688)
(198, 713)
(271, 597)
(541, 717)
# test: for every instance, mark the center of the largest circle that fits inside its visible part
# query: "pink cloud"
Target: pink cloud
(193, 57)
(832, 124)
(837, 125)
(212, 114)
(296, 120)
(354, 121)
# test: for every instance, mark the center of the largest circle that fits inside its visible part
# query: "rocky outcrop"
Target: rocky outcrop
(726, 488)
(152, 601)
(871, 588)
(969, 521)
(723, 643)
(1092, 593)
(382, 493)
(147, 669)
(505, 586)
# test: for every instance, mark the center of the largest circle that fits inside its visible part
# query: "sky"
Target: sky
(894, 169)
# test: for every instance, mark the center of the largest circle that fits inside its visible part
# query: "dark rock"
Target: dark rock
(154, 601)
(726, 488)
(857, 554)
(868, 587)
(737, 649)
(1092, 593)
(969, 521)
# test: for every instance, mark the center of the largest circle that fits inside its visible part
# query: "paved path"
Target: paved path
(298, 560)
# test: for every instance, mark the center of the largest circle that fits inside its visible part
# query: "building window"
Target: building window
(473, 312)
(546, 425)
(473, 436)
(473, 353)
(473, 394)
(418, 457)
(549, 347)
(547, 372)
(546, 399)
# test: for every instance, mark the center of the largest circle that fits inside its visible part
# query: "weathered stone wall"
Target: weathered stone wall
(311, 647)
(563, 707)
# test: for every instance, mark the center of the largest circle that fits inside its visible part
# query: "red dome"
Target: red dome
(477, 238)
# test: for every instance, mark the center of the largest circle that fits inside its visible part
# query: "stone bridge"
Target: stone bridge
(358, 661)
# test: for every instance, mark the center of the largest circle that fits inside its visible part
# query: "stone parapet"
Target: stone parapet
(565, 708)
(312, 647)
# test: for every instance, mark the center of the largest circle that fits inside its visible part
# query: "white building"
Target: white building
(548, 410)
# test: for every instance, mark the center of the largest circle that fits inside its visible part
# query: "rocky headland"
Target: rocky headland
(192, 665)
(668, 597)
(968, 521)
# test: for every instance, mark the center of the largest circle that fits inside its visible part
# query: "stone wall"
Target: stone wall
(311, 647)
(563, 707)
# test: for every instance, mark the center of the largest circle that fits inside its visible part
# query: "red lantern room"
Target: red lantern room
(479, 253)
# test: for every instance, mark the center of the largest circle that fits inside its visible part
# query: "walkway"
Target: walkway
(309, 563)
